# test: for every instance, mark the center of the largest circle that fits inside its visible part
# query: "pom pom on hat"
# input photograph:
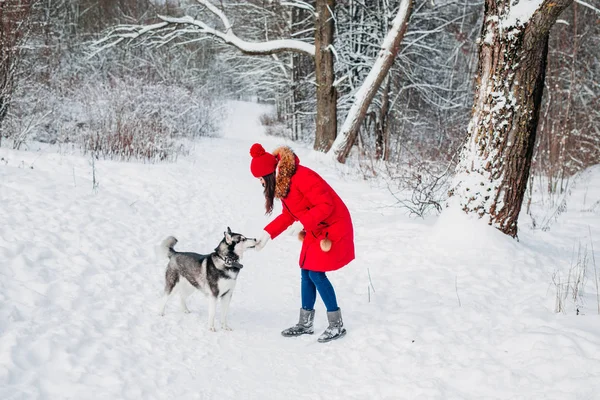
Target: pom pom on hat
(257, 150)
(262, 163)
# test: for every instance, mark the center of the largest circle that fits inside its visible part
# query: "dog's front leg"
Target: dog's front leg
(212, 309)
(225, 300)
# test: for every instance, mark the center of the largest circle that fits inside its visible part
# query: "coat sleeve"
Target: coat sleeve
(318, 193)
(280, 223)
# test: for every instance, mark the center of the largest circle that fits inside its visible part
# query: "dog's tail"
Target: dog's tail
(166, 246)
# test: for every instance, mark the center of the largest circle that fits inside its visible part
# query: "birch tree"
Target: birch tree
(494, 163)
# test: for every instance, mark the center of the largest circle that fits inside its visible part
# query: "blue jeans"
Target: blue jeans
(313, 281)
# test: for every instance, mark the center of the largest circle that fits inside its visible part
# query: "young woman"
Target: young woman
(327, 234)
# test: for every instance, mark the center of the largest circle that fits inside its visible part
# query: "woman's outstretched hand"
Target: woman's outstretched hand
(262, 241)
(296, 228)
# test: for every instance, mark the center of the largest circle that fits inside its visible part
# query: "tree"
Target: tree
(326, 129)
(568, 136)
(320, 51)
(171, 28)
(495, 160)
(14, 27)
(368, 90)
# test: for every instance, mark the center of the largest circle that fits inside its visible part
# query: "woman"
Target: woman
(327, 234)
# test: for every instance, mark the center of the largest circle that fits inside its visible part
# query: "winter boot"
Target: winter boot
(336, 329)
(304, 325)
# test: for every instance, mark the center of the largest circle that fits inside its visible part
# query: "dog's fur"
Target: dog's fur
(213, 274)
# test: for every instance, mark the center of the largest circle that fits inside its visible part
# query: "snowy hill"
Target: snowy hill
(436, 309)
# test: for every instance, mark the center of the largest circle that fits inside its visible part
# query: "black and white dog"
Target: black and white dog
(213, 274)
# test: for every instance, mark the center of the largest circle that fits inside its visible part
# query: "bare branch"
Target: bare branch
(270, 47)
(588, 5)
(365, 94)
(300, 4)
(212, 8)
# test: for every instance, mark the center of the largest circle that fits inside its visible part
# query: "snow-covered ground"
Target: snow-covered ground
(441, 308)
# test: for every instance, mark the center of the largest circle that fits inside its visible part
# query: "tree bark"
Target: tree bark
(494, 165)
(382, 131)
(326, 123)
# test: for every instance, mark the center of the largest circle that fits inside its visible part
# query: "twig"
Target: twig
(370, 286)
(370, 281)
(595, 270)
(95, 183)
(456, 288)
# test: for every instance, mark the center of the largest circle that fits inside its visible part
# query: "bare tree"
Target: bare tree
(368, 90)
(494, 164)
(423, 103)
(568, 135)
(14, 26)
(170, 28)
(326, 129)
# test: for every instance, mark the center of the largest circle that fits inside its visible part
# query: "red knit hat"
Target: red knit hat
(262, 163)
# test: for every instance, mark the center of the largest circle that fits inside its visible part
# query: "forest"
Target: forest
(477, 101)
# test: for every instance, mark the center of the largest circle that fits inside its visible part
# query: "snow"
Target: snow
(453, 309)
(520, 13)
(268, 47)
(257, 48)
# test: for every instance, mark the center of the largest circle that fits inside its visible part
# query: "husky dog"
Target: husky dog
(213, 274)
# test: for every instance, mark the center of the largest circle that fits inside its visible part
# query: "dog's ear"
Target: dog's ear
(228, 237)
(229, 230)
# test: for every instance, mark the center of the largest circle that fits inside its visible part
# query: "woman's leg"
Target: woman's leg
(325, 289)
(307, 312)
(309, 291)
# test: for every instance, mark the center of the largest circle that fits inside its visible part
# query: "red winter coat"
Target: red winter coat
(307, 198)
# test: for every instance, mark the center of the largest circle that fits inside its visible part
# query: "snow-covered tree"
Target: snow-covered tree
(15, 24)
(172, 27)
(367, 91)
(423, 101)
(494, 163)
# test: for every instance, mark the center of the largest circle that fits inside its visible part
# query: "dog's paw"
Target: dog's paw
(212, 329)
(226, 327)
(186, 311)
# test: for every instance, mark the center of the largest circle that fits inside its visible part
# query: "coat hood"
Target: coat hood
(286, 168)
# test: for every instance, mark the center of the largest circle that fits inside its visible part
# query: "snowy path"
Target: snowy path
(80, 284)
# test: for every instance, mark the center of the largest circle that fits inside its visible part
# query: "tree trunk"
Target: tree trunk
(326, 128)
(363, 97)
(382, 131)
(494, 164)
(15, 19)
(5, 62)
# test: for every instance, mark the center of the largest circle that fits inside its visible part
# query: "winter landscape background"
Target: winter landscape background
(107, 149)
(438, 308)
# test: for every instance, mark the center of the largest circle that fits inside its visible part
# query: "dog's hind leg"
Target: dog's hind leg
(212, 309)
(185, 290)
(171, 288)
(225, 300)
(166, 299)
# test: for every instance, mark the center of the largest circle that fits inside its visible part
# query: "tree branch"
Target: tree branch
(365, 94)
(132, 32)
